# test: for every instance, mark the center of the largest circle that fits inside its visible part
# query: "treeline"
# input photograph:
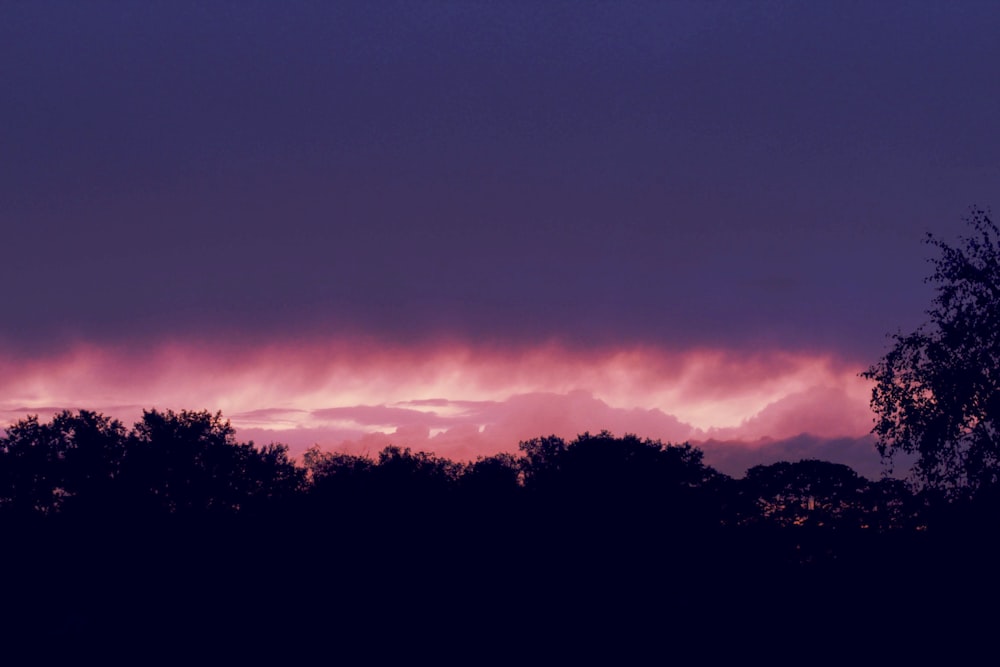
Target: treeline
(190, 463)
(173, 536)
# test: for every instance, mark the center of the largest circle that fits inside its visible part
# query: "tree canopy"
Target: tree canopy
(72, 459)
(169, 462)
(189, 466)
(937, 391)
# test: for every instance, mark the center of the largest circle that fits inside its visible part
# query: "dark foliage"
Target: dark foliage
(809, 492)
(604, 547)
(168, 463)
(937, 391)
(621, 479)
(73, 461)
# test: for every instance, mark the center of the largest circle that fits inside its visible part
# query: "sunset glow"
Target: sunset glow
(458, 399)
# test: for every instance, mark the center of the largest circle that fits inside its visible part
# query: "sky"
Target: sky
(457, 225)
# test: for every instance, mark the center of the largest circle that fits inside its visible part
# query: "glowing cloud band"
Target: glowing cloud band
(457, 399)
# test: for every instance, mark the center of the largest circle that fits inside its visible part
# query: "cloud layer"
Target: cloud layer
(455, 399)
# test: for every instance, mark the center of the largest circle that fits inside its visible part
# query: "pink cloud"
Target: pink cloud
(381, 415)
(454, 398)
(820, 410)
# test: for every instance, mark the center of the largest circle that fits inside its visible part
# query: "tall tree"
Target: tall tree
(937, 391)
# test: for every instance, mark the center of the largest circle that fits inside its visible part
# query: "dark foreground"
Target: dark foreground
(505, 589)
(175, 543)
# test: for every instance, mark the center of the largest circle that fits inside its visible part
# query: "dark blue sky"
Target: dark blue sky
(734, 174)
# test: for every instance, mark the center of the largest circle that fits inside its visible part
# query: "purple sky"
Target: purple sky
(677, 176)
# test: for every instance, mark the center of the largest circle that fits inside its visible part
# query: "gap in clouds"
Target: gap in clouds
(462, 401)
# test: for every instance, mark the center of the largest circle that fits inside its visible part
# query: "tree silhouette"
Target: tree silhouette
(191, 462)
(337, 478)
(809, 492)
(73, 460)
(494, 476)
(542, 460)
(414, 476)
(937, 391)
(622, 478)
(604, 464)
